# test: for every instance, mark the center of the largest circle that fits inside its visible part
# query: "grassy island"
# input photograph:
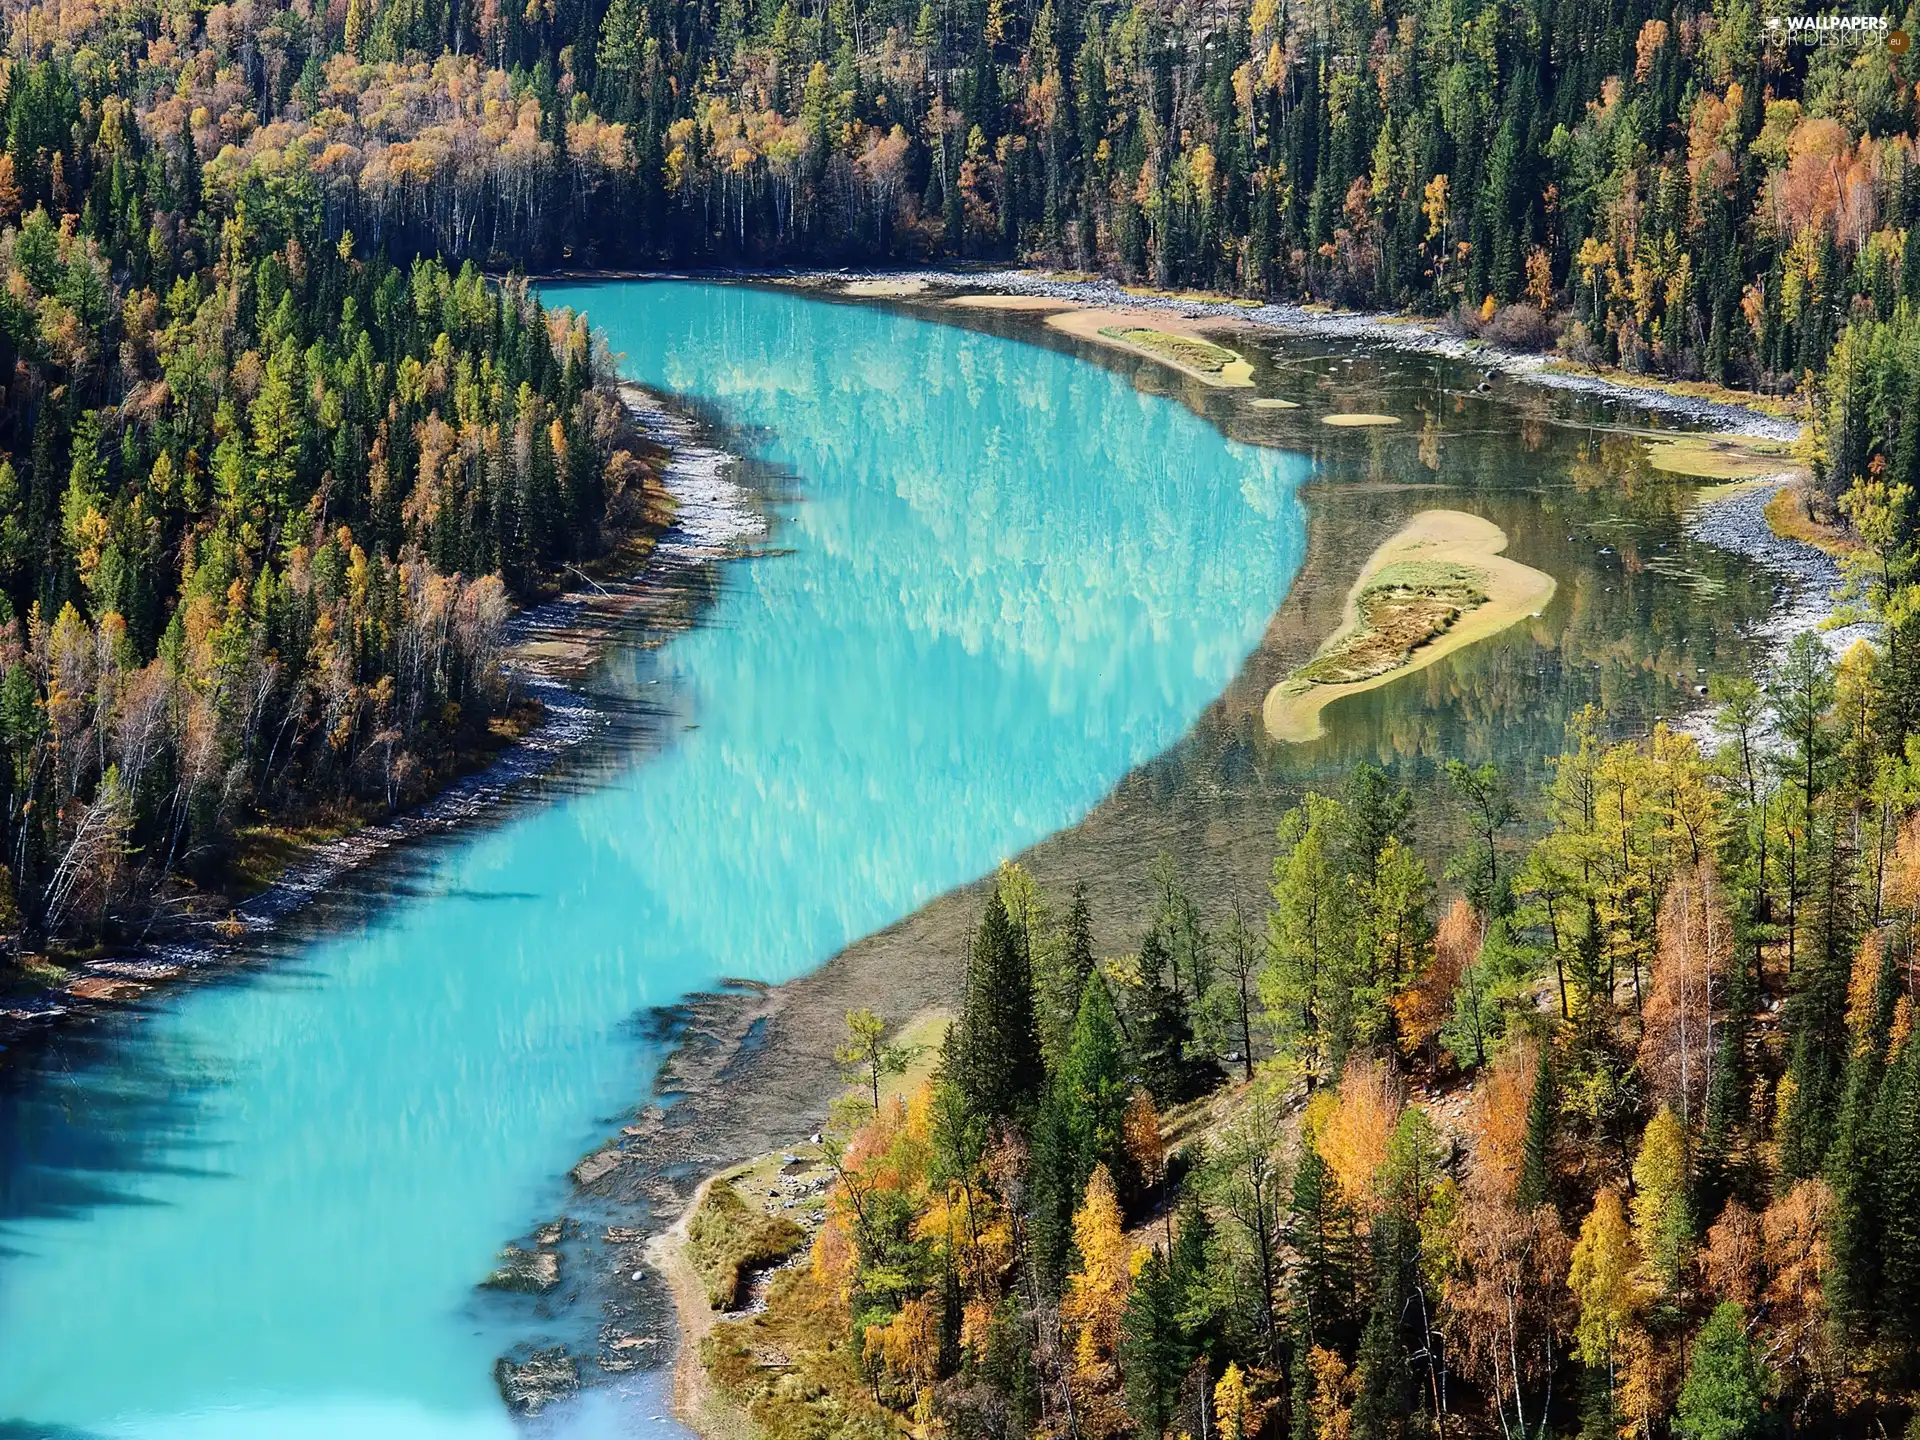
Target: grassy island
(1437, 585)
(1161, 335)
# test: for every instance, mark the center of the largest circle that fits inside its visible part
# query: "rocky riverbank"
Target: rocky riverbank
(1809, 578)
(1398, 332)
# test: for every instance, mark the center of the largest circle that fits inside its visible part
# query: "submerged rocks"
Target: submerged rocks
(597, 1166)
(532, 1272)
(531, 1380)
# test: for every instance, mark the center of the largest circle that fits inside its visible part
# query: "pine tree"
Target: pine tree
(1896, 1176)
(993, 1053)
(1053, 1186)
(1305, 985)
(1320, 1231)
(1189, 1261)
(1161, 1029)
(1070, 963)
(1093, 1087)
(1719, 1173)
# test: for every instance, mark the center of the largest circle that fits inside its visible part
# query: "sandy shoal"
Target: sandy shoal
(1514, 592)
(885, 289)
(1085, 322)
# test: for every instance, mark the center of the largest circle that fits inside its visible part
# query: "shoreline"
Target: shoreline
(1512, 592)
(1413, 334)
(750, 1070)
(1112, 329)
(1735, 519)
(550, 645)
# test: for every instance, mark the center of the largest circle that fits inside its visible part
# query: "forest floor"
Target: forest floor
(788, 1180)
(1436, 586)
(281, 864)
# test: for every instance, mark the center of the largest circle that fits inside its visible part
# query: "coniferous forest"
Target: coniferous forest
(267, 428)
(1612, 1128)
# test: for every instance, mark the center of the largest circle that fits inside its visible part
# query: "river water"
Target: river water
(996, 579)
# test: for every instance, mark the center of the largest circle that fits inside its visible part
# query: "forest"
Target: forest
(1670, 188)
(279, 447)
(1612, 1128)
(268, 495)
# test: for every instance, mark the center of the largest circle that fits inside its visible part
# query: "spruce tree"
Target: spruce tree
(1536, 1163)
(1897, 1182)
(1320, 1231)
(1719, 1172)
(1093, 1089)
(993, 1053)
(1722, 1397)
(1053, 1187)
(1154, 1353)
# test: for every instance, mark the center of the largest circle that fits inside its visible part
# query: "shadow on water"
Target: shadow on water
(85, 1115)
(81, 1119)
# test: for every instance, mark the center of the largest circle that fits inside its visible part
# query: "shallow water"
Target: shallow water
(998, 579)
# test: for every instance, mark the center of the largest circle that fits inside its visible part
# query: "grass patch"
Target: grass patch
(794, 1369)
(1788, 517)
(262, 851)
(1407, 605)
(1709, 457)
(727, 1240)
(1777, 406)
(42, 971)
(1201, 355)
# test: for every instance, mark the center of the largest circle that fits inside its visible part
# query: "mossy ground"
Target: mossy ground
(1186, 350)
(1713, 457)
(1407, 605)
(728, 1239)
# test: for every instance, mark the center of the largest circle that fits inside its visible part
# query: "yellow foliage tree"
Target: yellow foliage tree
(1235, 1415)
(1661, 1228)
(1354, 1138)
(1092, 1308)
(1604, 1282)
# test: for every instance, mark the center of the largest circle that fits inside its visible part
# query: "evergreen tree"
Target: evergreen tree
(1722, 1398)
(1093, 1088)
(1054, 1186)
(1320, 1231)
(993, 1052)
(1154, 1352)
(1161, 1030)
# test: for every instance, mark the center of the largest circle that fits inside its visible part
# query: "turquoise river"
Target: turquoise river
(997, 578)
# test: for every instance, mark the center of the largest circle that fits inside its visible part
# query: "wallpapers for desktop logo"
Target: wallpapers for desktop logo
(1838, 30)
